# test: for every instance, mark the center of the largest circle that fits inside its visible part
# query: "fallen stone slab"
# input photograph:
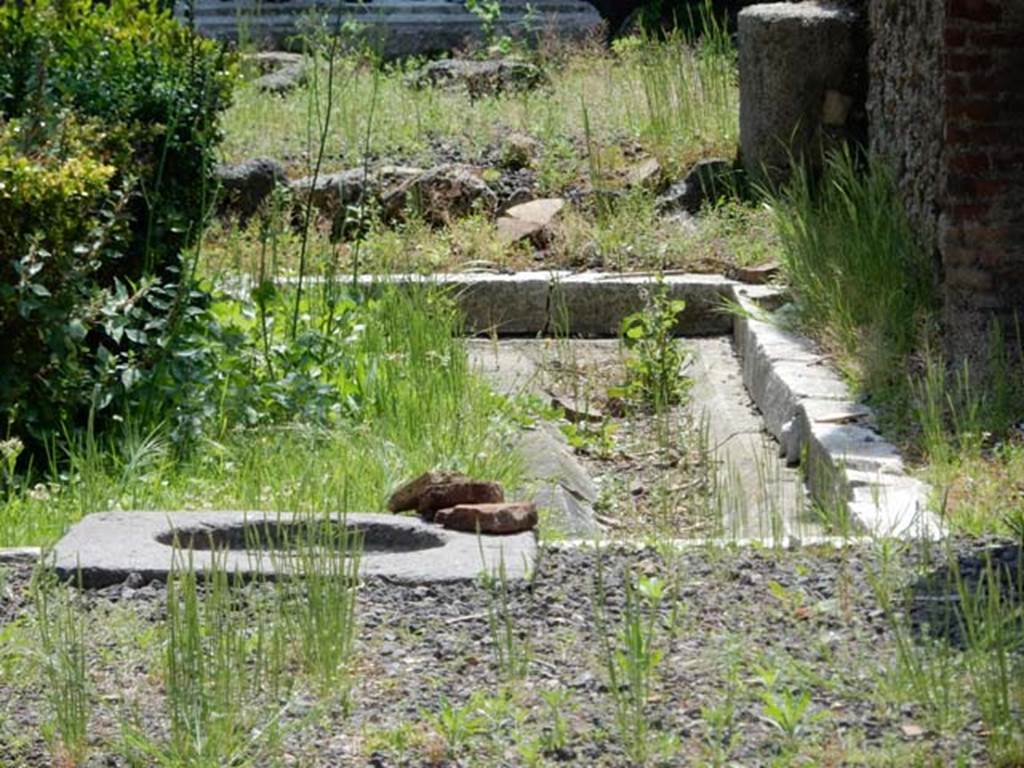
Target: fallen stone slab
(489, 77)
(107, 547)
(557, 482)
(491, 519)
(282, 71)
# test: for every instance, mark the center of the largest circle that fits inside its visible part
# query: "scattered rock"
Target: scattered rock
(449, 495)
(282, 72)
(333, 193)
(912, 731)
(432, 491)
(246, 185)
(407, 496)
(447, 192)
(513, 517)
(519, 151)
(542, 211)
(704, 182)
(516, 230)
(647, 174)
(757, 275)
(480, 78)
(530, 220)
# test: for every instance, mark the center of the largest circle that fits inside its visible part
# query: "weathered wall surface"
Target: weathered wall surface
(904, 98)
(946, 106)
(981, 232)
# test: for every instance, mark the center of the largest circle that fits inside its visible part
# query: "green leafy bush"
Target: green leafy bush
(109, 120)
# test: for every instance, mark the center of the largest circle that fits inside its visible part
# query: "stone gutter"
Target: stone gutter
(805, 404)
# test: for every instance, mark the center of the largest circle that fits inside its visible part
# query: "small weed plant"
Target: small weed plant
(631, 656)
(655, 359)
(511, 651)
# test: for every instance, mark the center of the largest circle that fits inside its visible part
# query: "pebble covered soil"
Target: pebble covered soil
(737, 628)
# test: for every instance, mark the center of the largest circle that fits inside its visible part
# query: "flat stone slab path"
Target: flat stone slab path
(760, 498)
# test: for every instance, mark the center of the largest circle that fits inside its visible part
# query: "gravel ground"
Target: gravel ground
(732, 620)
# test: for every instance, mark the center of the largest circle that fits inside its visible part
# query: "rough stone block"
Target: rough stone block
(792, 57)
(490, 519)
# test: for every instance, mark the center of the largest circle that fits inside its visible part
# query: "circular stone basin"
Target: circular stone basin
(273, 535)
(106, 547)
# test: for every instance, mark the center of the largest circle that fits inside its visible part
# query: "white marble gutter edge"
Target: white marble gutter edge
(808, 408)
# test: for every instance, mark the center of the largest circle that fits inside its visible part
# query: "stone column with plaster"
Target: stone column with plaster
(802, 83)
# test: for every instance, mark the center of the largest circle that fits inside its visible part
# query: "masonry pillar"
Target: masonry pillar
(981, 229)
(802, 83)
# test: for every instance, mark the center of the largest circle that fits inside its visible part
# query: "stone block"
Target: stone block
(792, 57)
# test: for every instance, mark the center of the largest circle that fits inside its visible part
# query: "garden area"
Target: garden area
(467, 349)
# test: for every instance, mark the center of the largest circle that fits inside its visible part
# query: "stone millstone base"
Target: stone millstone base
(106, 547)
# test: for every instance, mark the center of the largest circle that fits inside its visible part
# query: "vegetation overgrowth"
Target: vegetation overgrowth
(865, 288)
(273, 379)
(109, 120)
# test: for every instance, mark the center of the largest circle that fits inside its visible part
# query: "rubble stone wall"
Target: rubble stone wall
(946, 106)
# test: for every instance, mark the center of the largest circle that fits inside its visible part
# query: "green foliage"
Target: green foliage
(488, 12)
(631, 659)
(654, 365)
(855, 266)
(108, 128)
(155, 88)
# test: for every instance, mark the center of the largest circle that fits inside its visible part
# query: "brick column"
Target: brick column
(981, 230)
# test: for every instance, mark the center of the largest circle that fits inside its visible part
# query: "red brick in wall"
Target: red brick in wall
(982, 223)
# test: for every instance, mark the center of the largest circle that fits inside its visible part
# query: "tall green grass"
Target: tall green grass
(862, 281)
(680, 96)
(406, 401)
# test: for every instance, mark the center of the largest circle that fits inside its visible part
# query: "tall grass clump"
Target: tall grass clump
(690, 83)
(862, 282)
(62, 648)
(208, 674)
(317, 576)
(963, 659)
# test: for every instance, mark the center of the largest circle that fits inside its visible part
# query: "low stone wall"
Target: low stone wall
(397, 27)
